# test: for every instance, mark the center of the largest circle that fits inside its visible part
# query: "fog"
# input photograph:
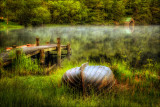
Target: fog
(94, 42)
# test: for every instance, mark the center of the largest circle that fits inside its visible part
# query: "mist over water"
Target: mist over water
(94, 42)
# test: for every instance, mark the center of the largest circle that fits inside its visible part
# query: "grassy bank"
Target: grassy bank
(9, 26)
(139, 88)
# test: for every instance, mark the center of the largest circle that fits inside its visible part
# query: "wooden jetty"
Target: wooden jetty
(34, 49)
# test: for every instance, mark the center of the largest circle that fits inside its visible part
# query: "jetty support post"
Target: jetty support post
(47, 43)
(58, 52)
(48, 56)
(68, 50)
(18, 53)
(37, 41)
(40, 54)
(14, 46)
(42, 57)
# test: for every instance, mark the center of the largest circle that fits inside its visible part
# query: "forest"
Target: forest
(98, 12)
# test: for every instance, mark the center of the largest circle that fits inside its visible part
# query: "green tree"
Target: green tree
(118, 10)
(40, 15)
(108, 9)
(33, 12)
(96, 11)
(2, 8)
(67, 11)
(37, 12)
(142, 12)
(155, 11)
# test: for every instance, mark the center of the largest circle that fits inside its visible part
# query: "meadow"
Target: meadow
(138, 88)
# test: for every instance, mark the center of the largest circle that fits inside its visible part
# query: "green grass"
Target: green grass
(10, 26)
(134, 86)
(139, 88)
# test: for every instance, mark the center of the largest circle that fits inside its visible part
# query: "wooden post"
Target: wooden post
(68, 50)
(42, 57)
(47, 43)
(28, 45)
(7, 19)
(14, 46)
(48, 56)
(58, 52)
(18, 53)
(37, 41)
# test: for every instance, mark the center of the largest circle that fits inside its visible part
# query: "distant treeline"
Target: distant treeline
(37, 12)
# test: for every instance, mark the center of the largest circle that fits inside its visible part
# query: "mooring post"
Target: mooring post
(14, 46)
(42, 57)
(58, 52)
(68, 50)
(47, 43)
(37, 41)
(18, 53)
(37, 44)
(48, 55)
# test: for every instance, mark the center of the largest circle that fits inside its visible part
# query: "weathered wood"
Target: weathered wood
(89, 78)
(47, 70)
(42, 57)
(63, 47)
(58, 52)
(28, 45)
(14, 46)
(29, 51)
(47, 43)
(37, 41)
(32, 49)
(61, 54)
(48, 55)
(82, 76)
(18, 53)
(68, 51)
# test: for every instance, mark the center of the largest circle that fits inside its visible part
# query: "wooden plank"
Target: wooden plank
(61, 54)
(50, 49)
(32, 54)
(47, 70)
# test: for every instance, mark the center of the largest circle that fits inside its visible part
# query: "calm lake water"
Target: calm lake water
(94, 42)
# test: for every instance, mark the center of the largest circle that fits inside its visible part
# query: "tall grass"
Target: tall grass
(48, 90)
(21, 65)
